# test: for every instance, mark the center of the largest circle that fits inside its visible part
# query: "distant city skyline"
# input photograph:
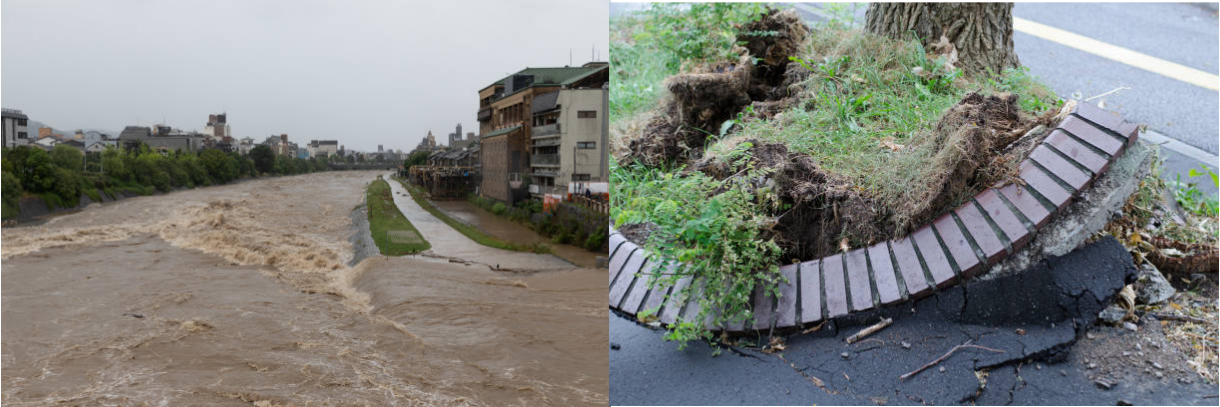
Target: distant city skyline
(363, 73)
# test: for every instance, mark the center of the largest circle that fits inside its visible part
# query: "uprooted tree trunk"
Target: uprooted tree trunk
(980, 34)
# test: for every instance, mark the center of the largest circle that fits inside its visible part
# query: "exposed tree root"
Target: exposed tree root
(1196, 258)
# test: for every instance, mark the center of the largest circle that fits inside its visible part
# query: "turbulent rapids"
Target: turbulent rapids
(242, 294)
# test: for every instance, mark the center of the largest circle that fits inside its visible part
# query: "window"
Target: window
(586, 114)
(586, 145)
(580, 177)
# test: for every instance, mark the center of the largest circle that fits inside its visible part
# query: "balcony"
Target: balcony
(485, 114)
(544, 159)
(547, 142)
(544, 130)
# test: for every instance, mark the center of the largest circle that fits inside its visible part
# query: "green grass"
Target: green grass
(864, 89)
(92, 194)
(635, 79)
(54, 201)
(649, 46)
(8, 211)
(469, 231)
(385, 217)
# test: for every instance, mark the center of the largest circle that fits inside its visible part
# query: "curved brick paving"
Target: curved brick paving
(956, 246)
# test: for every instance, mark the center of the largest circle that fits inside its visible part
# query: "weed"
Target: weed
(716, 235)
(1147, 203)
(696, 32)
(1191, 198)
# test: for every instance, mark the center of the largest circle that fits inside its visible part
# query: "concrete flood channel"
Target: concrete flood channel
(241, 294)
(505, 229)
(451, 243)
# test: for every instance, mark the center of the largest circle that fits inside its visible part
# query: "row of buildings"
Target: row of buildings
(217, 133)
(545, 131)
(16, 133)
(542, 132)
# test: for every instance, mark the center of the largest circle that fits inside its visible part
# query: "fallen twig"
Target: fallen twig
(1198, 336)
(814, 329)
(872, 339)
(1179, 318)
(946, 356)
(870, 330)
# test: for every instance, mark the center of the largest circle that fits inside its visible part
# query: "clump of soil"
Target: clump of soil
(637, 232)
(823, 207)
(772, 39)
(975, 144)
(967, 152)
(703, 100)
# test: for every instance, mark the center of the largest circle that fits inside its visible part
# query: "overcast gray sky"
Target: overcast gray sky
(362, 72)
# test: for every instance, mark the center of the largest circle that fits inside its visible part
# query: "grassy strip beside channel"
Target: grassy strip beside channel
(385, 217)
(471, 232)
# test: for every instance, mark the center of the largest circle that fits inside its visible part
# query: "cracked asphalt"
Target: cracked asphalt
(1029, 322)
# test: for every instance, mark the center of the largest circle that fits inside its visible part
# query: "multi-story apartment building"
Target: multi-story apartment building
(16, 130)
(160, 138)
(323, 148)
(218, 126)
(280, 145)
(569, 136)
(506, 119)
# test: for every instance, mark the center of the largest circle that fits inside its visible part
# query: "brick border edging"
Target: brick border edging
(954, 247)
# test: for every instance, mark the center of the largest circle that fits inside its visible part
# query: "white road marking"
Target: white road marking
(1113, 52)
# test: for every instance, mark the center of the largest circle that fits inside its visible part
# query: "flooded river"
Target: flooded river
(241, 294)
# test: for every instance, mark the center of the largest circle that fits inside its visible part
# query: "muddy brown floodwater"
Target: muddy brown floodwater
(240, 294)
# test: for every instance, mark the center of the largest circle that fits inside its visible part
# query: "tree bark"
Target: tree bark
(981, 33)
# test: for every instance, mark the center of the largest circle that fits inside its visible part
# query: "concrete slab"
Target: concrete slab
(1092, 209)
